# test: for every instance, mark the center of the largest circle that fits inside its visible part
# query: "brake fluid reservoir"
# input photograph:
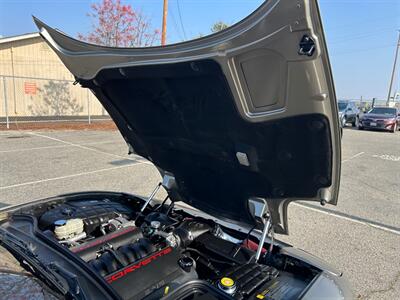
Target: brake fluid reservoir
(65, 229)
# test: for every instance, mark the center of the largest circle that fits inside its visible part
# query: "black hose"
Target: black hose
(209, 258)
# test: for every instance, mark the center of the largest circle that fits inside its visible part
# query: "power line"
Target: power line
(358, 36)
(180, 19)
(355, 24)
(362, 50)
(177, 29)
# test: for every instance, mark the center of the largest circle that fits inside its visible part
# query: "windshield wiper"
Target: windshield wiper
(65, 282)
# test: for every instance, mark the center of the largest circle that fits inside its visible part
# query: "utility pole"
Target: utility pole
(164, 23)
(394, 70)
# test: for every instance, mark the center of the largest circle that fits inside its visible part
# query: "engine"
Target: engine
(149, 254)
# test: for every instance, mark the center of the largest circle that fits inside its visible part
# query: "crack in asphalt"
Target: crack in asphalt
(392, 283)
(389, 193)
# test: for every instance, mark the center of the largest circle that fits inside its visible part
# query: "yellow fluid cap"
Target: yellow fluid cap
(227, 282)
(166, 290)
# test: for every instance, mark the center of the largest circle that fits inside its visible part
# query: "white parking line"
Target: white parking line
(350, 219)
(70, 176)
(81, 146)
(387, 157)
(57, 146)
(352, 157)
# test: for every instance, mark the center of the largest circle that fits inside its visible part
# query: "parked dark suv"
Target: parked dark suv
(348, 113)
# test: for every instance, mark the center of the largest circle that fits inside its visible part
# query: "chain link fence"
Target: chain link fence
(26, 99)
(32, 99)
(366, 104)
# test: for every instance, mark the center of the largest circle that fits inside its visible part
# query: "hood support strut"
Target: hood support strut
(153, 193)
(168, 183)
(267, 229)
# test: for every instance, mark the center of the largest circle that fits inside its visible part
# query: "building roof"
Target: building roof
(19, 37)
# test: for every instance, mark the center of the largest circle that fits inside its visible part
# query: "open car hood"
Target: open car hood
(247, 112)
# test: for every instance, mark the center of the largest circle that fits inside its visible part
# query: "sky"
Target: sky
(361, 34)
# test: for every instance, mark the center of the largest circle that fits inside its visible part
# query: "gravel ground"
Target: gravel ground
(361, 236)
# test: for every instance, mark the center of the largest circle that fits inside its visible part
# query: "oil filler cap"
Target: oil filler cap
(227, 285)
(186, 263)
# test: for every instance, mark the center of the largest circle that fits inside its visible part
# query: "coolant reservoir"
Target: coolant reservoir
(65, 229)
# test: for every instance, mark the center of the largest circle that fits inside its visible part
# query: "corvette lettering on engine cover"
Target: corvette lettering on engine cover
(138, 265)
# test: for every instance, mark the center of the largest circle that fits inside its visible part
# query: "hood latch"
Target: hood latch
(307, 46)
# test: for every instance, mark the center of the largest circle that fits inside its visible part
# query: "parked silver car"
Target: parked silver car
(348, 113)
(240, 124)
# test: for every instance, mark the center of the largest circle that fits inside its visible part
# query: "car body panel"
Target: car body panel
(327, 286)
(247, 112)
(380, 121)
(348, 112)
(24, 228)
(329, 283)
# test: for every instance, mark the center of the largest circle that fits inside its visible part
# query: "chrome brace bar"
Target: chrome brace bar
(150, 197)
(267, 228)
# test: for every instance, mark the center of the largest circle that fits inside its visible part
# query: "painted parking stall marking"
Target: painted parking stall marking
(70, 176)
(352, 157)
(387, 157)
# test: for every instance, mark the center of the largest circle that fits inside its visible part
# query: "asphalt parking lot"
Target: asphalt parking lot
(361, 236)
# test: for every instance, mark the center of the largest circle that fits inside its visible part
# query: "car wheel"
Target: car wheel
(359, 126)
(344, 121)
(356, 122)
(394, 129)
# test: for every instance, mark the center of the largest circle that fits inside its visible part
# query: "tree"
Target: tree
(56, 100)
(119, 25)
(219, 26)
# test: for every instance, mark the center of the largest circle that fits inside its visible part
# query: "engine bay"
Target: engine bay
(163, 251)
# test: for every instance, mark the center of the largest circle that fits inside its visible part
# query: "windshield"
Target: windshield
(342, 106)
(383, 111)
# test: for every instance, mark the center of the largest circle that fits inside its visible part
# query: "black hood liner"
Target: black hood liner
(183, 118)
